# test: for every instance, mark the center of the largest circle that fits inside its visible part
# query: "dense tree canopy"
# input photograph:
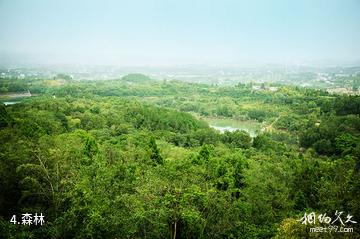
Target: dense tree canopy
(133, 158)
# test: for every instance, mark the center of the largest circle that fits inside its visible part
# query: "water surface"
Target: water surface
(10, 103)
(228, 124)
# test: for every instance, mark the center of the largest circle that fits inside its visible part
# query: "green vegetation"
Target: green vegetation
(132, 158)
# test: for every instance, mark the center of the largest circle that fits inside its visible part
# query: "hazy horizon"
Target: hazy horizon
(163, 33)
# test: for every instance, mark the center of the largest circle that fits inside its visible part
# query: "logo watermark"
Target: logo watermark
(337, 223)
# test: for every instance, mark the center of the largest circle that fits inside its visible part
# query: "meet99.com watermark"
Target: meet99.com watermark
(338, 223)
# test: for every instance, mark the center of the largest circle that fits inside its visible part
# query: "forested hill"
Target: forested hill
(136, 158)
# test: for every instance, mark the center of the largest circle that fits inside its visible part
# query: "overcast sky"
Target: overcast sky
(165, 32)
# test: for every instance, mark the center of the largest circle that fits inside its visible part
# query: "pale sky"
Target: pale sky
(164, 32)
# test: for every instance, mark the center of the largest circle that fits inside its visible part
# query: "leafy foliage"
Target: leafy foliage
(132, 158)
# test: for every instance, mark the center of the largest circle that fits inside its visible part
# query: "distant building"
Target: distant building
(256, 87)
(264, 87)
(273, 89)
(340, 90)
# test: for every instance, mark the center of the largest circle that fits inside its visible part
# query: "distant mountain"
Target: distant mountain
(136, 78)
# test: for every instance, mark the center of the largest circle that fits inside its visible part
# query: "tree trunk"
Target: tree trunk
(174, 237)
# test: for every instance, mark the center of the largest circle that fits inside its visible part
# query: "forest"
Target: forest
(135, 157)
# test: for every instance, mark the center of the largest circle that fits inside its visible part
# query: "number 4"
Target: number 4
(13, 219)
